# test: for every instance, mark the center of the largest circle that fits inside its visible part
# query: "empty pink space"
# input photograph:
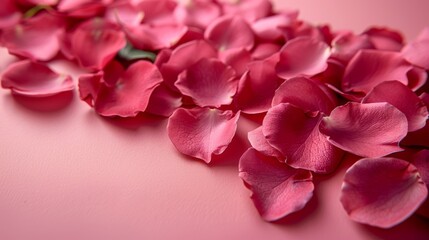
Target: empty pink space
(67, 173)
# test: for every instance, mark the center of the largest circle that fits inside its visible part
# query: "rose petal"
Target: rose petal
(346, 45)
(265, 50)
(96, 42)
(296, 135)
(197, 13)
(38, 2)
(382, 192)
(258, 142)
(157, 12)
(367, 130)
(409, 103)
(385, 38)
(269, 28)
(415, 53)
(421, 161)
(209, 82)
(124, 96)
(82, 8)
(202, 132)
(36, 38)
(306, 94)
(237, 58)
(417, 78)
(230, 32)
(124, 13)
(418, 138)
(251, 10)
(302, 56)
(9, 14)
(256, 87)
(277, 189)
(368, 68)
(35, 80)
(164, 101)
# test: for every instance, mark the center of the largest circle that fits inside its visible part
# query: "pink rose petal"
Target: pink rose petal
(125, 95)
(385, 38)
(36, 38)
(418, 138)
(202, 132)
(197, 13)
(9, 14)
(368, 68)
(367, 130)
(265, 50)
(35, 80)
(251, 10)
(417, 78)
(346, 45)
(408, 102)
(82, 8)
(416, 53)
(157, 12)
(96, 42)
(124, 13)
(306, 94)
(296, 135)
(237, 58)
(256, 87)
(302, 57)
(164, 101)
(277, 189)
(421, 161)
(38, 2)
(382, 192)
(259, 142)
(269, 28)
(230, 32)
(209, 82)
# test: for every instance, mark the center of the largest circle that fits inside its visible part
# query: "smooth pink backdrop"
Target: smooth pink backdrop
(70, 174)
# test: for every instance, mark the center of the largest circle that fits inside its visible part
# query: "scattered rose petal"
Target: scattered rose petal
(346, 45)
(368, 68)
(382, 192)
(302, 56)
(197, 13)
(9, 14)
(96, 42)
(237, 58)
(306, 94)
(269, 28)
(421, 161)
(164, 101)
(385, 38)
(157, 12)
(202, 132)
(35, 80)
(124, 95)
(408, 103)
(209, 82)
(265, 50)
(230, 32)
(259, 142)
(277, 189)
(296, 135)
(367, 130)
(416, 53)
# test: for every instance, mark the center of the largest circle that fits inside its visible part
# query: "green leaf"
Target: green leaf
(36, 9)
(130, 53)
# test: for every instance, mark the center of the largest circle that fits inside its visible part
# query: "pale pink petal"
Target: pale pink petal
(367, 130)
(209, 82)
(9, 14)
(416, 53)
(237, 58)
(256, 87)
(202, 132)
(96, 42)
(382, 192)
(35, 80)
(251, 10)
(269, 28)
(368, 68)
(230, 32)
(277, 189)
(401, 97)
(302, 57)
(296, 135)
(197, 13)
(124, 13)
(306, 94)
(36, 38)
(185, 56)
(149, 37)
(125, 96)
(163, 101)
(385, 38)
(259, 142)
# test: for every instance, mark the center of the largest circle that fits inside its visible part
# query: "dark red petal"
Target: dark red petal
(256, 87)
(306, 94)
(230, 32)
(149, 37)
(131, 92)
(197, 13)
(408, 102)
(367, 130)
(96, 42)
(418, 138)
(296, 135)
(417, 78)
(368, 68)
(209, 82)
(277, 189)
(202, 132)
(416, 53)
(258, 142)
(34, 79)
(302, 56)
(35, 38)
(382, 192)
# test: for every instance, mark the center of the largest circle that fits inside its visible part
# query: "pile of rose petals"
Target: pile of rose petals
(322, 94)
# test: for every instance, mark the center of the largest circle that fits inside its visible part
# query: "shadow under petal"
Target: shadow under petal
(52, 103)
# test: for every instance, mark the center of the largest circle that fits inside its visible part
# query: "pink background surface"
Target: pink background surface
(70, 174)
